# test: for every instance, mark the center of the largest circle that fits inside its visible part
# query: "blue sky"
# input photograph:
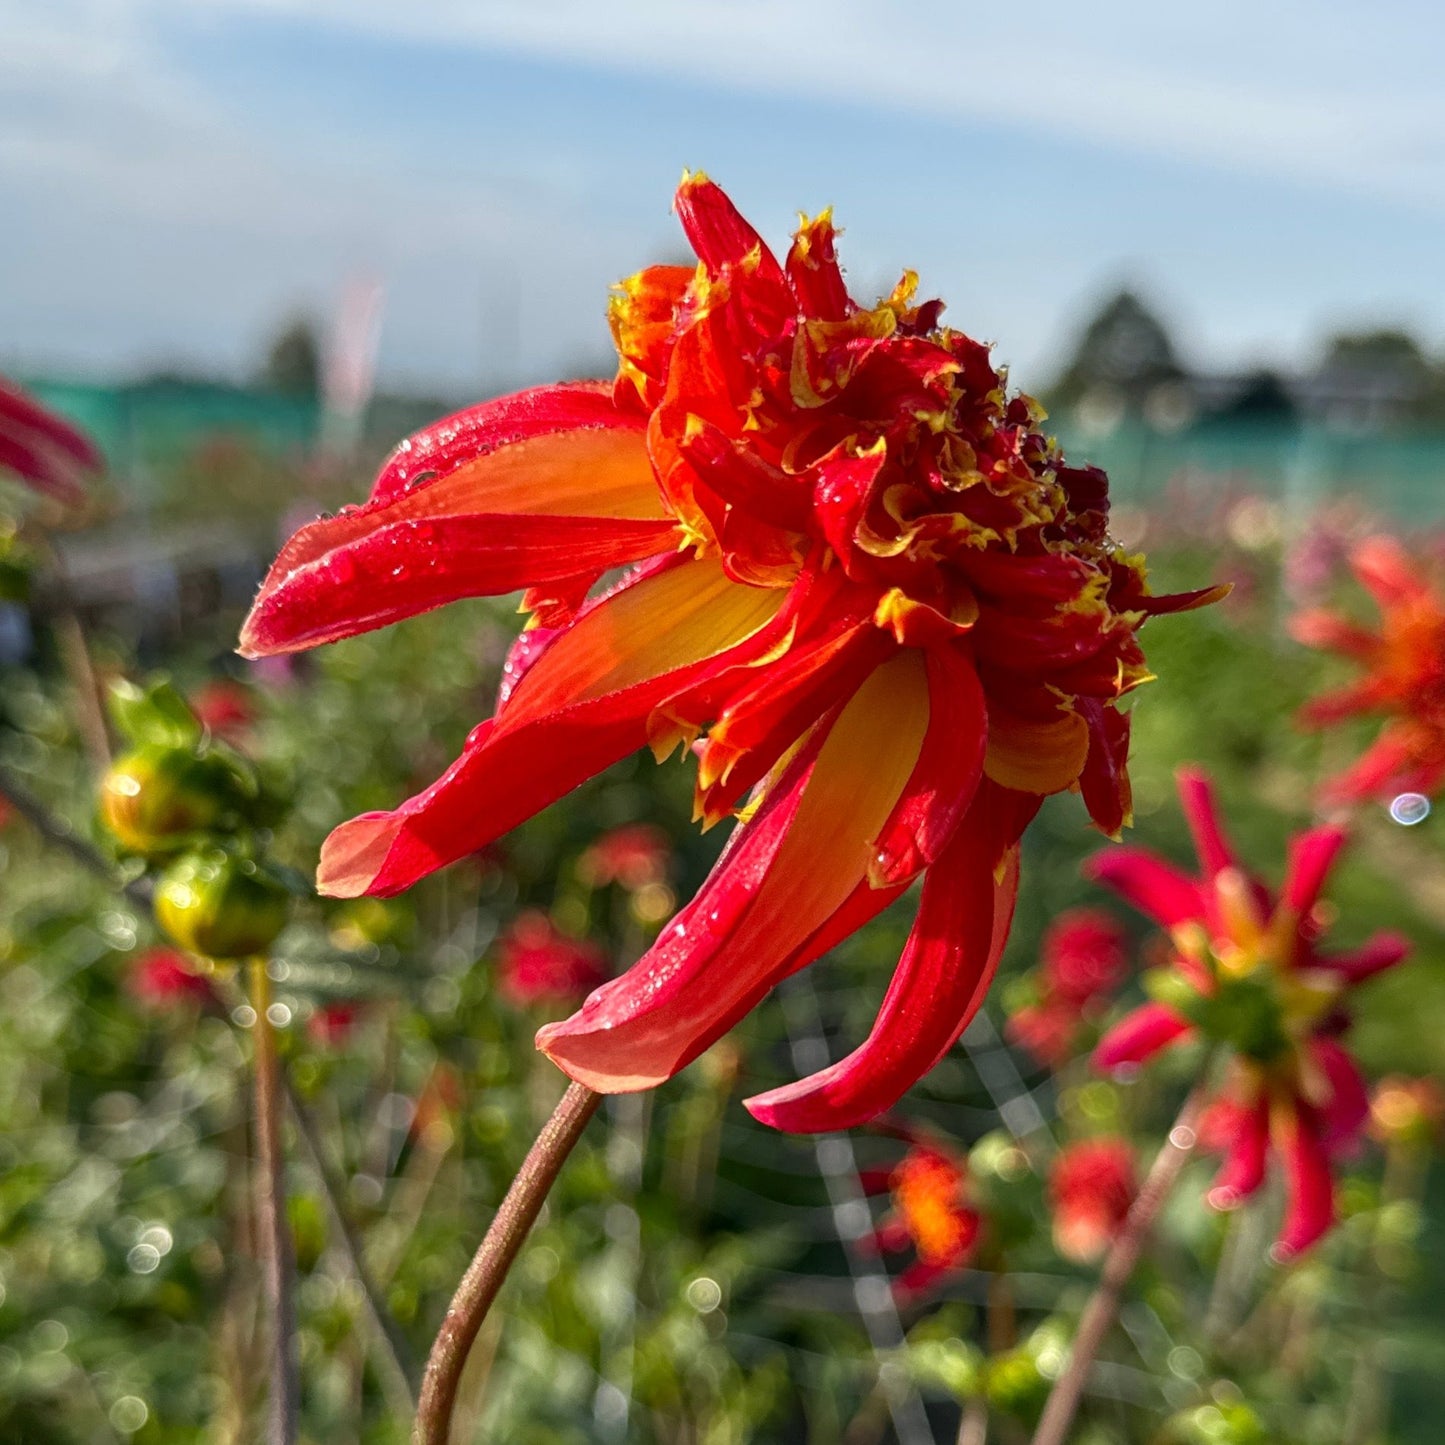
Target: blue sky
(175, 175)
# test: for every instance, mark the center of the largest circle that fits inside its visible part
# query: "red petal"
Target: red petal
(1311, 1187)
(580, 707)
(781, 883)
(946, 779)
(1201, 812)
(941, 979)
(450, 444)
(742, 478)
(1104, 782)
(1311, 856)
(1248, 1154)
(399, 569)
(813, 272)
(1343, 1115)
(1382, 951)
(717, 232)
(1389, 572)
(1139, 1036)
(1154, 887)
(1319, 628)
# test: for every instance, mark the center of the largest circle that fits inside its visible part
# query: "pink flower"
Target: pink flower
(1247, 972)
(539, 965)
(1091, 1187)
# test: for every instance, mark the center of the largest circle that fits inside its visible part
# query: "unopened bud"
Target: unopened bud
(221, 905)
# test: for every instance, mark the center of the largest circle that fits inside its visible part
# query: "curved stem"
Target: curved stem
(489, 1266)
(1119, 1265)
(273, 1232)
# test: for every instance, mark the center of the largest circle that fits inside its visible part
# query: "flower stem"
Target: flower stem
(273, 1231)
(489, 1266)
(1119, 1265)
(391, 1356)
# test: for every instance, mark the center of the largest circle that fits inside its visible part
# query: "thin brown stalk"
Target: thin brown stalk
(391, 1356)
(273, 1228)
(1119, 1266)
(488, 1269)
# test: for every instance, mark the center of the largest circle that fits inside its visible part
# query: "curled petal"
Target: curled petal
(784, 876)
(940, 980)
(581, 706)
(814, 274)
(1139, 1036)
(1156, 888)
(1104, 781)
(1310, 1187)
(1033, 756)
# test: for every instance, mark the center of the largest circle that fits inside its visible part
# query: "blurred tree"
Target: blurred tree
(1263, 395)
(1124, 353)
(293, 360)
(1381, 374)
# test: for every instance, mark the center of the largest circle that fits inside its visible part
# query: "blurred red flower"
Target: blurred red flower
(1084, 955)
(633, 856)
(931, 1215)
(1091, 1186)
(332, 1024)
(163, 977)
(225, 708)
(1247, 972)
(539, 965)
(44, 452)
(1403, 658)
(867, 576)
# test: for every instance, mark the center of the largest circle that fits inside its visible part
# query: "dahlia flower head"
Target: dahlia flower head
(865, 590)
(47, 454)
(1092, 1184)
(1403, 662)
(1247, 972)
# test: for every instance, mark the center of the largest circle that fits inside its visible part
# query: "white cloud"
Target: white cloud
(1308, 90)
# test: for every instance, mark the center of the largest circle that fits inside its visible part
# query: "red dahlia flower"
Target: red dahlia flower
(163, 977)
(931, 1214)
(540, 965)
(1248, 972)
(39, 448)
(1404, 662)
(1084, 956)
(1091, 1186)
(865, 576)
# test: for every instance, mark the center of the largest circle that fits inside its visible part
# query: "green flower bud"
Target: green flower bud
(221, 905)
(156, 799)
